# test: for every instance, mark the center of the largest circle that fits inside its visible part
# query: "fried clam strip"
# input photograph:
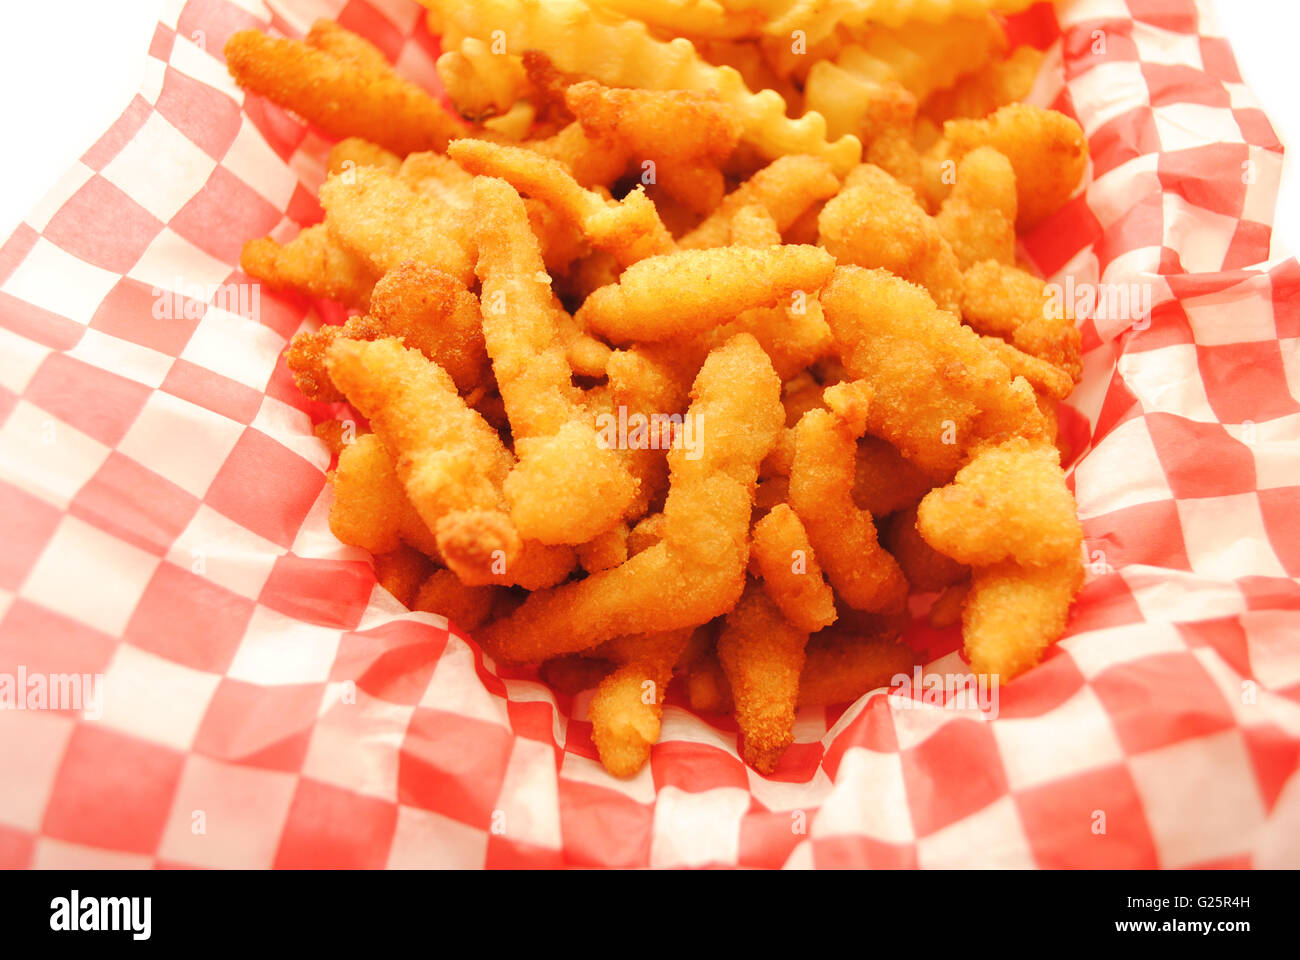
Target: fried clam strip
(446, 455)
(1013, 612)
(839, 667)
(1047, 149)
(450, 462)
(685, 136)
(1010, 502)
(628, 704)
(875, 221)
(629, 229)
(371, 509)
(1012, 304)
(926, 568)
(936, 390)
(387, 221)
(697, 570)
(762, 655)
(708, 287)
(343, 85)
(356, 152)
(431, 311)
(884, 481)
(313, 263)
(1048, 380)
(787, 188)
(401, 572)
(843, 535)
(568, 485)
(978, 220)
(443, 593)
(305, 355)
(784, 560)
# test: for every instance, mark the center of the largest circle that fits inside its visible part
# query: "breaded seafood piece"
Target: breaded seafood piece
(840, 665)
(401, 572)
(883, 481)
(443, 593)
(979, 217)
(305, 355)
(385, 220)
(629, 229)
(435, 313)
(1046, 148)
(1047, 379)
(875, 221)
(371, 509)
(343, 85)
(568, 486)
(446, 455)
(762, 654)
(687, 136)
(926, 568)
(313, 263)
(843, 535)
(786, 188)
(628, 704)
(784, 560)
(700, 561)
(1013, 613)
(353, 152)
(1010, 303)
(690, 291)
(937, 391)
(1009, 502)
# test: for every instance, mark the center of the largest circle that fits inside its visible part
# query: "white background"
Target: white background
(69, 67)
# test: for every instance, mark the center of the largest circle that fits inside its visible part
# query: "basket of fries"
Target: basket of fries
(659, 432)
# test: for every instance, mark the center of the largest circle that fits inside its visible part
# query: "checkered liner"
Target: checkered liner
(266, 704)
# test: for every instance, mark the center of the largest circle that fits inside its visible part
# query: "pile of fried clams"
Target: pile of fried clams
(834, 393)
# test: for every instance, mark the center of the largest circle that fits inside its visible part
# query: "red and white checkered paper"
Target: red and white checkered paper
(164, 523)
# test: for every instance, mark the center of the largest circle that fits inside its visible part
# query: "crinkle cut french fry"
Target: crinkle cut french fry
(762, 655)
(787, 188)
(688, 292)
(842, 534)
(568, 486)
(313, 263)
(358, 95)
(700, 562)
(936, 390)
(789, 571)
(628, 704)
(382, 218)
